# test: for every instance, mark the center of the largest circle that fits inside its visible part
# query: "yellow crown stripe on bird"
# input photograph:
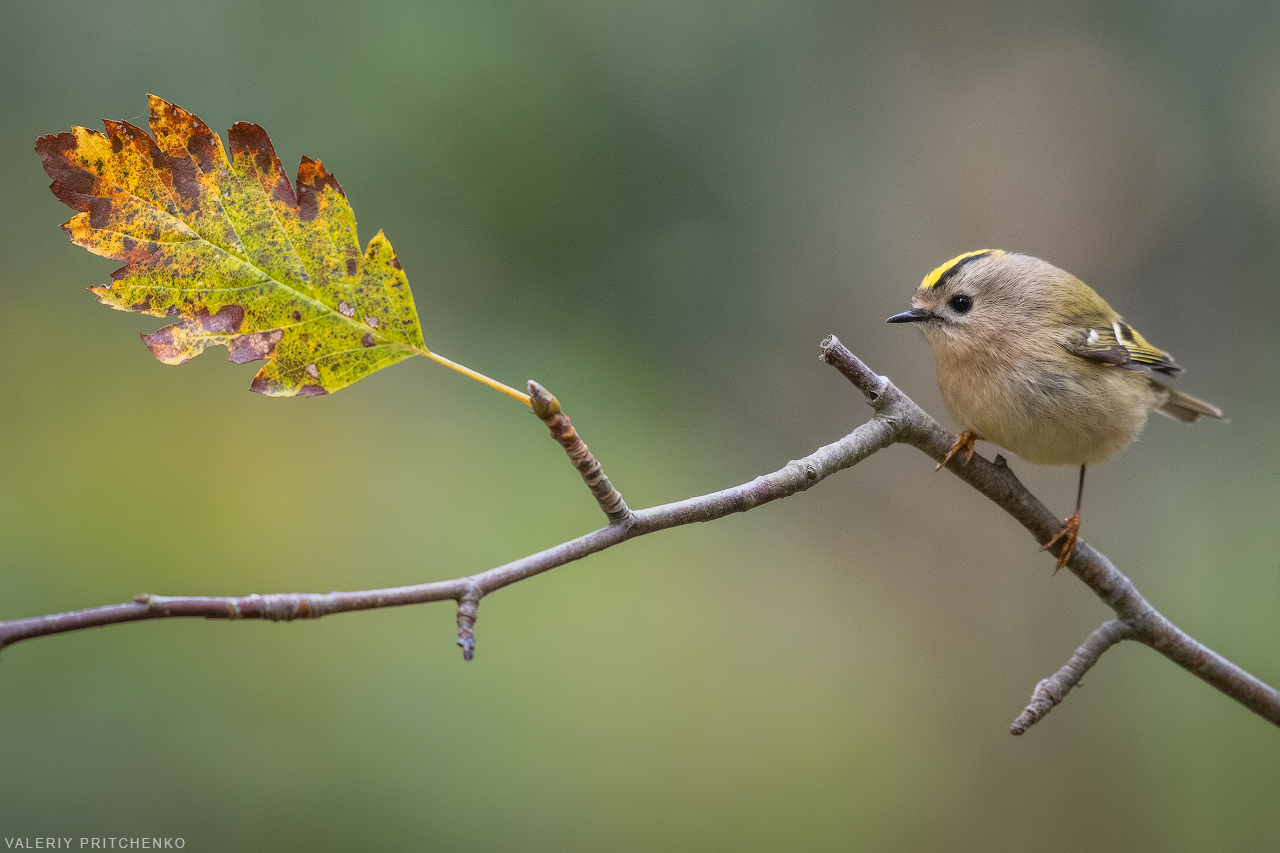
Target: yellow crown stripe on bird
(933, 278)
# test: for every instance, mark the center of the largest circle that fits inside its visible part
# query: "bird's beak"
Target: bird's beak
(915, 315)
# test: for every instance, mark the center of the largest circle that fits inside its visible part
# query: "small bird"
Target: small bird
(1032, 359)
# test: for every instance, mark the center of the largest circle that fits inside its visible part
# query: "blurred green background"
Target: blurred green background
(657, 208)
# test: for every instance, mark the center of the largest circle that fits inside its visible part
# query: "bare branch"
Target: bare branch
(1052, 690)
(897, 419)
(796, 476)
(996, 481)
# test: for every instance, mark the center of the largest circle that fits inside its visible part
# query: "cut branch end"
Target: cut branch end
(866, 380)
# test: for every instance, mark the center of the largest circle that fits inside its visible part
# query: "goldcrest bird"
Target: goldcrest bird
(1032, 359)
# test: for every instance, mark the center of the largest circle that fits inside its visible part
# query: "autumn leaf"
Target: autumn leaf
(228, 246)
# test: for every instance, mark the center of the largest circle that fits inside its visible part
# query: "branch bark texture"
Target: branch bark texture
(896, 419)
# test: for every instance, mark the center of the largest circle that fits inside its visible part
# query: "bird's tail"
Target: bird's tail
(1181, 406)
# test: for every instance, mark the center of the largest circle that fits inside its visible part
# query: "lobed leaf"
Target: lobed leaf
(229, 247)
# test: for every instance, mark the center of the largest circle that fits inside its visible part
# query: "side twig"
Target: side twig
(1052, 690)
(897, 419)
(547, 408)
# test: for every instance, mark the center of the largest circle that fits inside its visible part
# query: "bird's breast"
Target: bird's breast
(1029, 407)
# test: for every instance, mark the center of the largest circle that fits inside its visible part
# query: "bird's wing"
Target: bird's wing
(1119, 344)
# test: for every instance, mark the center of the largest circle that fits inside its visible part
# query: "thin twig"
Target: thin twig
(468, 610)
(897, 419)
(1052, 690)
(547, 408)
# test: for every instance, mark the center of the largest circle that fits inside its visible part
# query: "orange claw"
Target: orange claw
(1070, 529)
(965, 440)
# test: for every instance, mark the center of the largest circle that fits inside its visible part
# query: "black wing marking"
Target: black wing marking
(1120, 345)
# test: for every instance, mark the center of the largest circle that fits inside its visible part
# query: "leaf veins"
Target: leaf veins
(231, 249)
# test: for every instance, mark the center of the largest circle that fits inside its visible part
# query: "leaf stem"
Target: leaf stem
(479, 377)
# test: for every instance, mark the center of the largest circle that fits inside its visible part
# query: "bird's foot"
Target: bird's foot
(1070, 530)
(964, 440)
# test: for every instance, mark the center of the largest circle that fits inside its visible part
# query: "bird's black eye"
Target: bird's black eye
(960, 303)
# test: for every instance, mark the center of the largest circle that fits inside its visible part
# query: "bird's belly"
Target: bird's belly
(1046, 419)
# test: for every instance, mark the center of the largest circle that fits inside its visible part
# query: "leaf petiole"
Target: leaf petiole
(479, 377)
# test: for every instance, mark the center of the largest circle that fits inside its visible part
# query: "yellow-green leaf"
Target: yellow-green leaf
(227, 246)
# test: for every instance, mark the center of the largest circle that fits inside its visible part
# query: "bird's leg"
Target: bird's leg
(963, 440)
(1070, 529)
